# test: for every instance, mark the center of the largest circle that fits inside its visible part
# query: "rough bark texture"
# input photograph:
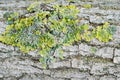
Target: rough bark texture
(81, 62)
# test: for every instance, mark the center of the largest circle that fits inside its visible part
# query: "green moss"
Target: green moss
(48, 31)
(88, 6)
(98, 60)
(93, 49)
